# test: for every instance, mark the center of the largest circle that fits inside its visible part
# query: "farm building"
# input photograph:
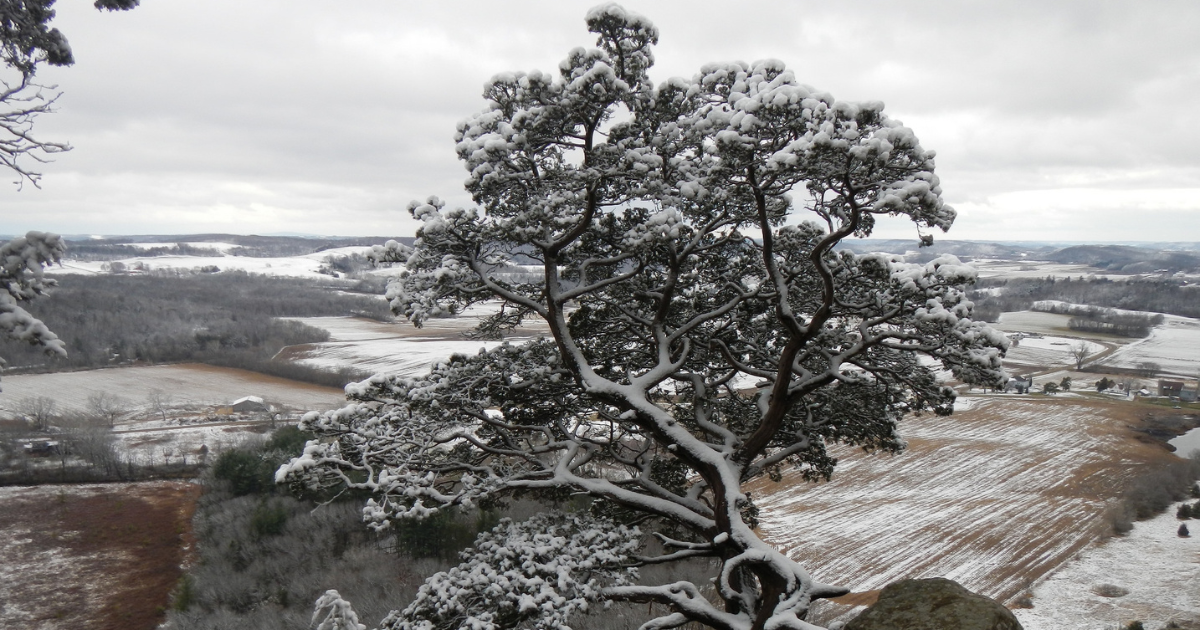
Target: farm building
(1019, 384)
(248, 403)
(1177, 389)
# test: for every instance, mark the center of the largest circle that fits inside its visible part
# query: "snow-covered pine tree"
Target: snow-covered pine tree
(22, 261)
(704, 331)
(26, 42)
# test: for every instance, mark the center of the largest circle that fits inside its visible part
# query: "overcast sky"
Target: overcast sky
(1052, 120)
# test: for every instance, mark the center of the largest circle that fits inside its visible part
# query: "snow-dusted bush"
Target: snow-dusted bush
(703, 332)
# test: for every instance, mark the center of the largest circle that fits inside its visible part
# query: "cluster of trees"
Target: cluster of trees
(105, 250)
(1113, 323)
(226, 319)
(83, 450)
(264, 556)
(1153, 491)
(1159, 296)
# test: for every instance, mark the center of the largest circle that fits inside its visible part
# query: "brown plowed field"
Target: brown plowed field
(94, 557)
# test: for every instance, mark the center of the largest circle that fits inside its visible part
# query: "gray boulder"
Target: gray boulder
(933, 604)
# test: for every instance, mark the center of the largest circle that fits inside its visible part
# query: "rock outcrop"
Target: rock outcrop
(933, 604)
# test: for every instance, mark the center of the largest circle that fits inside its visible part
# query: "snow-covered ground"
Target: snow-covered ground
(1033, 322)
(193, 393)
(993, 268)
(1186, 443)
(1160, 571)
(305, 266)
(995, 496)
(188, 383)
(1174, 345)
(1048, 351)
(395, 348)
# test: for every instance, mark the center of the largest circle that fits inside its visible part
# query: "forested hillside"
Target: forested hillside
(1173, 297)
(224, 319)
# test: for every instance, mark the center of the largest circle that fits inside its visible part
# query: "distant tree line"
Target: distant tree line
(85, 250)
(1160, 296)
(199, 245)
(227, 319)
(1098, 319)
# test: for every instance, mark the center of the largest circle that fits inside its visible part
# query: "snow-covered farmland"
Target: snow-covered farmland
(1048, 351)
(1174, 345)
(994, 268)
(188, 383)
(396, 348)
(994, 497)
(1034, 322)
(1159, 569)
(306, 266)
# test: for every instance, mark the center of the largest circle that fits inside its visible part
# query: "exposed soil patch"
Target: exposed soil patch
(96, 557)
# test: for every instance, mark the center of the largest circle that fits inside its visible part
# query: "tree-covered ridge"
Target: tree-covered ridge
(1173, 297)
(703, 329)
(104, 320)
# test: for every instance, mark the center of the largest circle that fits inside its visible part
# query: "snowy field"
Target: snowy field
(1033, 322)
(995, 496)
(992, 268)
(1160, 571)
(293, 266)
(188, 383)
(1174, 345)
(394, 348)
(193, 392)
(1048, 351)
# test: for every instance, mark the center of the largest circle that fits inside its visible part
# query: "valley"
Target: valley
(1008, 496)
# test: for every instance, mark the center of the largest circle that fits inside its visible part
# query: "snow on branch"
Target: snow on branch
(532, 574)
(334, 613)
(704, 327)
(22, 278)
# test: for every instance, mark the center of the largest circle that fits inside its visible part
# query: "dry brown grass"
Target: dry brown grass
(98, 557)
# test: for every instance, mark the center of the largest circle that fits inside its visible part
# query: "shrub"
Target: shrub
(1184, 512)
(245, 471)
(185, 594)
(268, 520)
(1110, 590)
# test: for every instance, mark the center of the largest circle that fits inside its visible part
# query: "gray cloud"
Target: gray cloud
(304, 116)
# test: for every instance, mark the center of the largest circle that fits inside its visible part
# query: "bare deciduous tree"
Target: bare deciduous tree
(38, 410)
(26, 42)
(160, 402)
(1080, 351)
(107, 407)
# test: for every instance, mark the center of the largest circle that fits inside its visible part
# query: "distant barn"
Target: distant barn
(1019, 384)
(248, 404)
